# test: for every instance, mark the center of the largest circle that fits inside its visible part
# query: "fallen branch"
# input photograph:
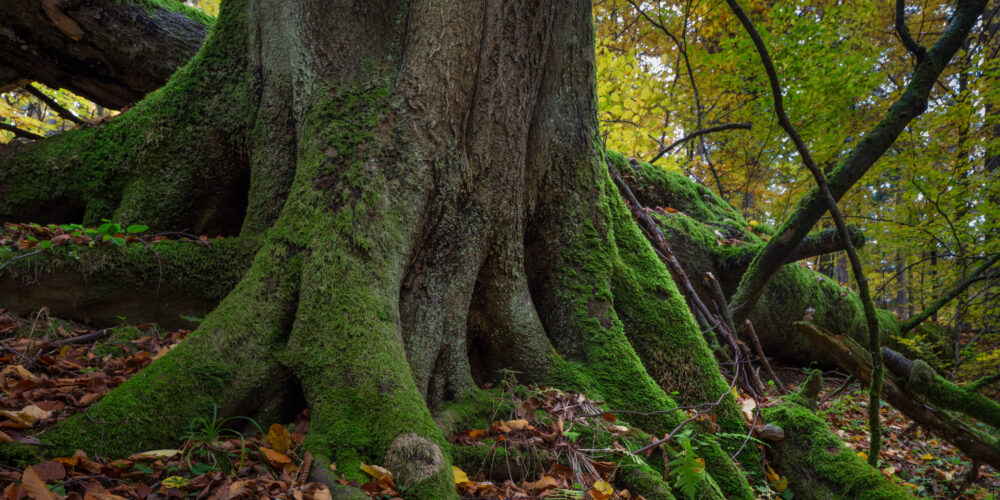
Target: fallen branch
(920, 379)
(851, 357)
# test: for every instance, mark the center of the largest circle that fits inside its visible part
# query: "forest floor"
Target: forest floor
(53, 369)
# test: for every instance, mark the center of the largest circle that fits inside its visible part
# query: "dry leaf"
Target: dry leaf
(601, 491)
(276, 457)
(460, 476)
(279, 438)
(34, 486)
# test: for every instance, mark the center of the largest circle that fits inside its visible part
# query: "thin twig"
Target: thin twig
(763, 359)
(52, 104)
(19, 257)
(697, 133)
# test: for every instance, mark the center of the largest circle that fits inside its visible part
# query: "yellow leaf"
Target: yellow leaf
(781, 485)
(460, 477)
(771, 475)
(279, 438)
(375, 471)
(176, 482)
(276, 457)
(863, 455)
(155, 454)
(34, 486)
(517, 425)
(27, 415)
(601, 491)
(927, 456)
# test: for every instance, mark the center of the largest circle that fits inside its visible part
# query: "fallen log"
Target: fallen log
(856, 360)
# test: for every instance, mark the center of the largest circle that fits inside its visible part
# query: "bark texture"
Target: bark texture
(111, 52)
(433, 205)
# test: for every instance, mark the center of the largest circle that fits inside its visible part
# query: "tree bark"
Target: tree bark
(111, 52)
(395, 275)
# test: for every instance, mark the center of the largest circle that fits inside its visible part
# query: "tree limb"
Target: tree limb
(52, 104)
(109, 51)
(20, 133)
(975, 444)
(977, 275)
(817, 243)
(697, 133)
(868, 150)
(904, 32)
(845, 238)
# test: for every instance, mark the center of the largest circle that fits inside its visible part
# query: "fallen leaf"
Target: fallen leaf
(27, 415)
(545, 483)
(176, 482)
(601, 491)
(50, 471)
(155, 454)
(279, 438)
(34, 486)
(460, 476)
(517, 425)
(276, 457)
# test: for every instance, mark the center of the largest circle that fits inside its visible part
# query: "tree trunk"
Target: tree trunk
(430, 213)
(109, 51)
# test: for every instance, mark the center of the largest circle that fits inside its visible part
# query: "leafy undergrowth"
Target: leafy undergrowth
(32, 236)
(932, 467)
(53, 369)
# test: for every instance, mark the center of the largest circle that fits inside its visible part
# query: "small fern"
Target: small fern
(688, 470)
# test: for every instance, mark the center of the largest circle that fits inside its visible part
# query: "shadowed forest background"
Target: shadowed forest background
(631, 321)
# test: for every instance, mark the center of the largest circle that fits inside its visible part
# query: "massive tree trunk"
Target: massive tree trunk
(425, 191)
(430, 190)
(109, 51)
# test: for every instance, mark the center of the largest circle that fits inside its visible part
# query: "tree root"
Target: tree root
(158, 283)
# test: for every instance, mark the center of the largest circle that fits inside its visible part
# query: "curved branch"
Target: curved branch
(698, 133)
(874, 144)
(904, 32)
(20, 133)
(111, 52)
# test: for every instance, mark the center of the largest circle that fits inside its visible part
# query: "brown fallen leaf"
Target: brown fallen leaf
(279, 438)
(34, 486)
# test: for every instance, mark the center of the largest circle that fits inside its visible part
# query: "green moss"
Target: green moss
(350, 215)
(229, 362)
(819, 465)
(670, 189)
(162, 163)
(926, 383)
(176, 6)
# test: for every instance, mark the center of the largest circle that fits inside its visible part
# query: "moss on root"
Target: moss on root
(173, 161)
(609, 288)
(227, 362)
(818, 464)
(156, 283)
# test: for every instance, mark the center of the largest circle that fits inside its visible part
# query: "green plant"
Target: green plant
(204, 436)
(689, 470)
